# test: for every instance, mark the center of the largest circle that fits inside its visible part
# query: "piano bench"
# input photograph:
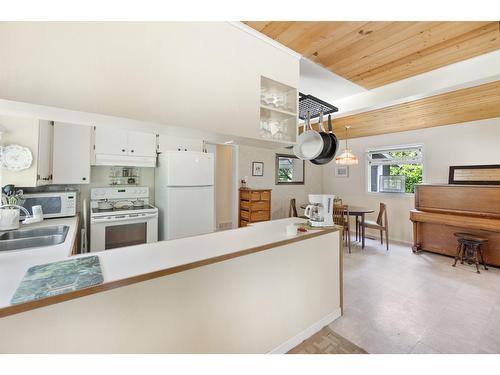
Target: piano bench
(469, 249)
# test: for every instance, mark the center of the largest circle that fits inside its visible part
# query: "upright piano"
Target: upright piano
(442, 210)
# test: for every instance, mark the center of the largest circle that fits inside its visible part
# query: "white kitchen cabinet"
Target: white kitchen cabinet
(110, 141)
(71, 153)
(44, 164)
(61, 152)
(123, 148)
(169, 143)
(141, 144)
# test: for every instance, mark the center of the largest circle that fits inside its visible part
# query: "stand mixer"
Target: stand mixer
(320, 210)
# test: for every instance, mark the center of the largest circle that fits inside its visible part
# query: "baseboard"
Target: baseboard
(305, 334)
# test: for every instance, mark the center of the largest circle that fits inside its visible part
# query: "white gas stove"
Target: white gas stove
(121, 216)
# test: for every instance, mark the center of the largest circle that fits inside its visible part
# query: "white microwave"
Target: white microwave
(54, 203)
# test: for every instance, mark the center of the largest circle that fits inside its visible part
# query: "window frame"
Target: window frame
(392, 148)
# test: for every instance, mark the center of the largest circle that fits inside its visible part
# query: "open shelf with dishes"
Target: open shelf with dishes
(124, 176)
(278, 111)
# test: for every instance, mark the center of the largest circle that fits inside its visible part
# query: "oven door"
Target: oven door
(120, 231)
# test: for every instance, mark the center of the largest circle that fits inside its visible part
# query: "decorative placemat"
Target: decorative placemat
(55, 278)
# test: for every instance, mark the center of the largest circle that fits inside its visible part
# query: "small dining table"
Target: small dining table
(356, 211)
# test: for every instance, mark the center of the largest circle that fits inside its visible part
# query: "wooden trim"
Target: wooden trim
(454, 107)
(341, 268)
(16, 309)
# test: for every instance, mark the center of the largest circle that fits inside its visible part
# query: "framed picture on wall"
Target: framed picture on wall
(342, 171)
(475, 175)
(257, 168)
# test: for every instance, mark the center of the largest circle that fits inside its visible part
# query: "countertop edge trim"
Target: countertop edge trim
(32, 305)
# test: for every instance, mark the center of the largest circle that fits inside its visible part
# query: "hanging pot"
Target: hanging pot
(310, 142)
(328, 157)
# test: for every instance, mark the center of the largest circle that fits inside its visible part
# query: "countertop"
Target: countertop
(15, 263)
(127, 265)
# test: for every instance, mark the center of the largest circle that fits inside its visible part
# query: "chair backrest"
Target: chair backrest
(382, 215)
(338, 214)
(292, 211)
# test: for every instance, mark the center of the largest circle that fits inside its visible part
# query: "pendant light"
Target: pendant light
(346, 157)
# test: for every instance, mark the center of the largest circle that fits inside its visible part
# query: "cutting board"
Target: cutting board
(55, 278)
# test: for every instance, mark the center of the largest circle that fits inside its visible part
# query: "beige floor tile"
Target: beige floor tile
(400, 302)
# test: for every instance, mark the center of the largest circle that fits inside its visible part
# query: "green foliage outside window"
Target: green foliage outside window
(285, 174)
(412, 172)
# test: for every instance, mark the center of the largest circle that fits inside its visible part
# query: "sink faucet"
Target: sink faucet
(29, 219)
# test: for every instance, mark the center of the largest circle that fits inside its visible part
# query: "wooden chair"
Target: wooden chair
(341, 218)
(292, 210)
(380, 225)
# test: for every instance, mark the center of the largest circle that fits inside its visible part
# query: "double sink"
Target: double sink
(36, 237)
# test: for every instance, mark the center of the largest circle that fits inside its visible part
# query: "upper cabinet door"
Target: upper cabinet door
(110, 141)
(141, 144)
(71, 153)
(44, 166)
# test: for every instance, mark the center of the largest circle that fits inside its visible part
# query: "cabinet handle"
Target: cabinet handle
(123, 150)
(131, 150)
(84, 178)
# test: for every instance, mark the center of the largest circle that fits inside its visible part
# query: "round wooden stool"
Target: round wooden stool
(469, 249)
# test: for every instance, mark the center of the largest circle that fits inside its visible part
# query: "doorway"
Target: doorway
(226, 185)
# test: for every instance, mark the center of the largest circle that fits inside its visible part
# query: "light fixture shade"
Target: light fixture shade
(346, 158)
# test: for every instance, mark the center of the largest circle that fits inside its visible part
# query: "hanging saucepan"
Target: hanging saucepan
(327, 141)
(310, 142)
(334, 146)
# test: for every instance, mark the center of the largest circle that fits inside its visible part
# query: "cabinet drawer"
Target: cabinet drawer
(250, 195)
(254, 216)
(265, 195)
(259, 215)
(244, 215)
(255, 206)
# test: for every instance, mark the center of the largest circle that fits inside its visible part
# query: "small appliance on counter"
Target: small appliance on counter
(121, 216)
(320, 210)
(54, 203)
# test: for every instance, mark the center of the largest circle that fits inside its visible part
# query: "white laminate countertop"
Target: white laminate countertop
(126, 262)
(15, 263)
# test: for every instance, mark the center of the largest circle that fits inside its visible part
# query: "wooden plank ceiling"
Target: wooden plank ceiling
(373, 54)
(470, 104)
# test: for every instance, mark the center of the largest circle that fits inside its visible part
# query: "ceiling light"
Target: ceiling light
(346, 157)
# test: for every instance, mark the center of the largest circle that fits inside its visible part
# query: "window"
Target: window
(395, 170)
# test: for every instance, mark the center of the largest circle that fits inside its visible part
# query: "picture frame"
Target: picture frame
(474, 174)
(258, 168)
(342, 171)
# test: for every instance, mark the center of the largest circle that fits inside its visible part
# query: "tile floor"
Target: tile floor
(400, 302)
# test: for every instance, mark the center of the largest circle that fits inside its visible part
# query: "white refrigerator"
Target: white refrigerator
(184, 194)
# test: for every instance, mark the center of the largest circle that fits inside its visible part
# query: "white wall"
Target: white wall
(203, 75)
(21, 131)
(470, 143)
(281, 194)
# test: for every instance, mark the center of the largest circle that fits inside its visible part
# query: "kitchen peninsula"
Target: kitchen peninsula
(247, 290)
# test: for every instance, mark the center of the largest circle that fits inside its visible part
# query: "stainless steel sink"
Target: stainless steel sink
(37, 237)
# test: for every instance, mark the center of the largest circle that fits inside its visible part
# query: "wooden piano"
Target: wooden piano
(441, 210)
